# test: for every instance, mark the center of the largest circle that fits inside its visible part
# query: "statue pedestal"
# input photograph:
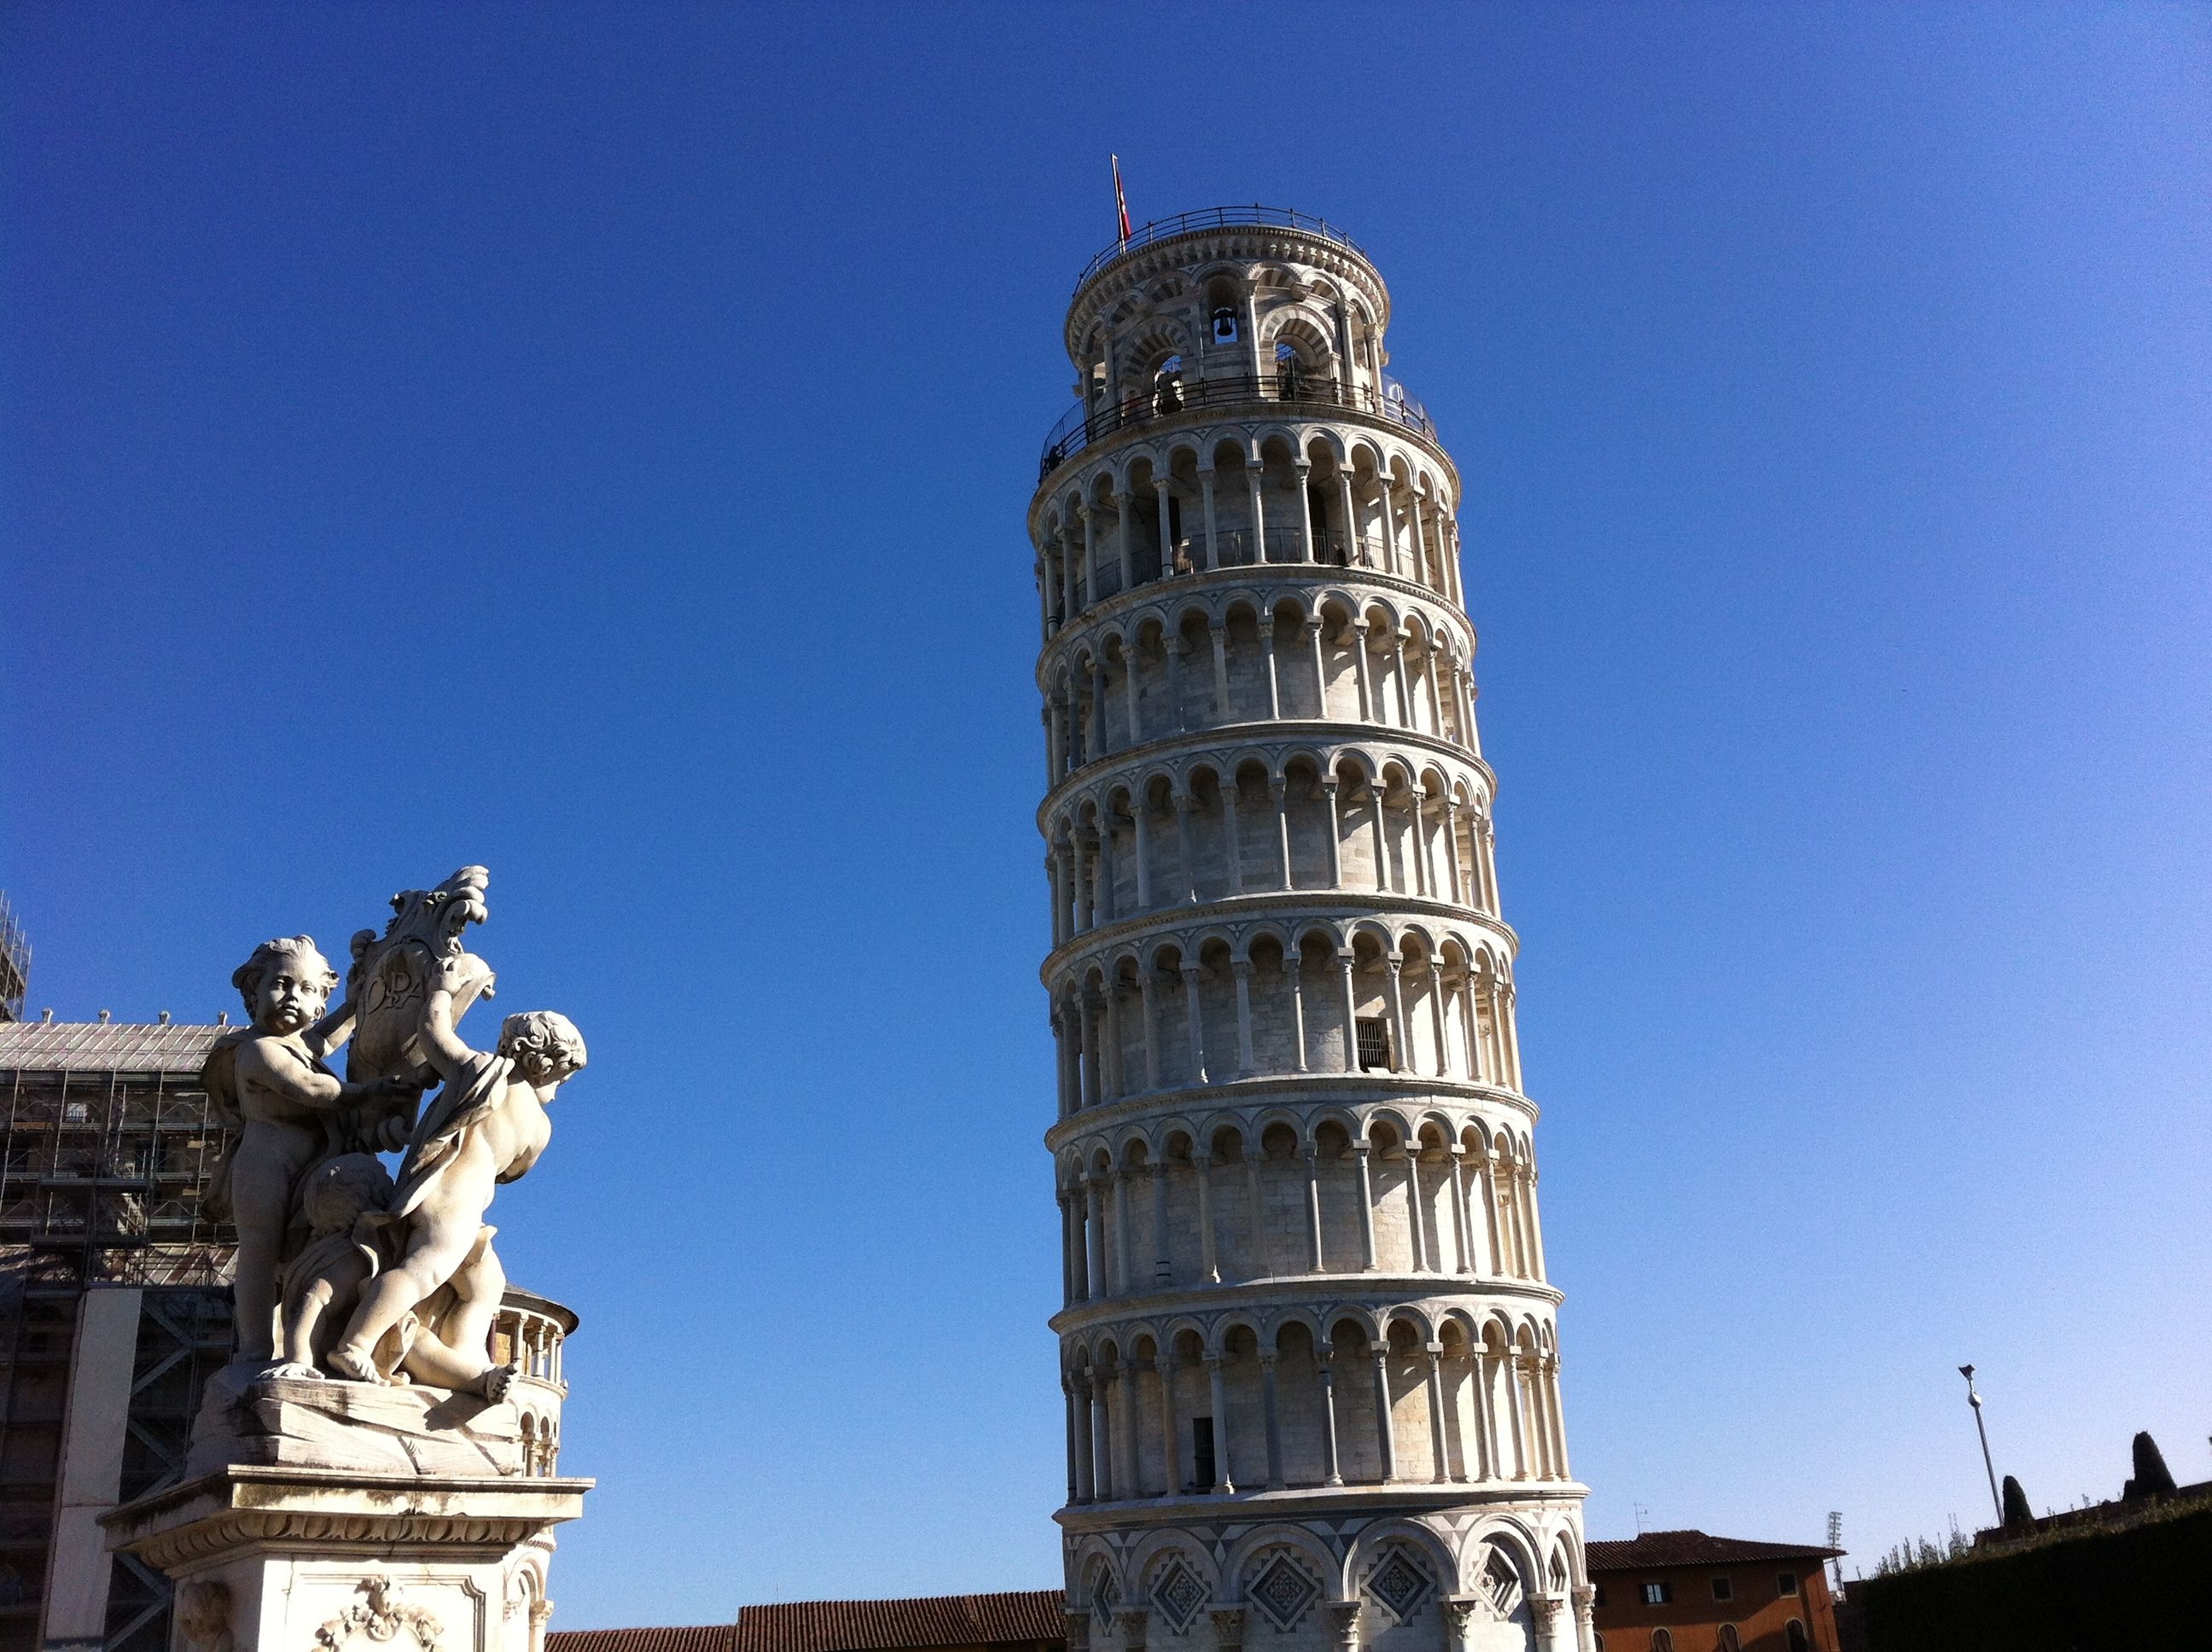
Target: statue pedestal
(287, 1559)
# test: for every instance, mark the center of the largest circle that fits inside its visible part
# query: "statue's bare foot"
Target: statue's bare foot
(353, 1367)
(293, 1372)
(497, 1382)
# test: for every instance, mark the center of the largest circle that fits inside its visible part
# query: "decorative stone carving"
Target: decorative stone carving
(1133, 1621)
(380, 1616)
(1344, 1623)
(203, 1615)
(1228, 1627)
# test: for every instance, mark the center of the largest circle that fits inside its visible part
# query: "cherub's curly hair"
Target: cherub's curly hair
(542, 1032)
(298, 948)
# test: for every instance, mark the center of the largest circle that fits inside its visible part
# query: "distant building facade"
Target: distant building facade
(113, 1310)
(1687, 1591)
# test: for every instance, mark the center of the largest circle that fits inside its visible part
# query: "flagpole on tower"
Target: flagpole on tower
(1121, 202)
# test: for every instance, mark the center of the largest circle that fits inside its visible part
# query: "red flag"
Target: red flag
(1121, 202)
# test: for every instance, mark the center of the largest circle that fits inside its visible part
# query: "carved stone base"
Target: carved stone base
(287, 1559)
(360, 1427)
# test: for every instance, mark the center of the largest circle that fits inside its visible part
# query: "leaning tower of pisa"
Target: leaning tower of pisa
(1308, 1347)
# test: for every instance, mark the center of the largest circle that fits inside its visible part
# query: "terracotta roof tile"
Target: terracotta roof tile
(1013, 1619)
(1691, 1548)
(710, 1638)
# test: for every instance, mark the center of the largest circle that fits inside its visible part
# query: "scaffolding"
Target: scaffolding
(15, 962)
(108, 1147)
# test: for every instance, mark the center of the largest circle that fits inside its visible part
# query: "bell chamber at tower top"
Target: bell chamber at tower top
(1234, 409)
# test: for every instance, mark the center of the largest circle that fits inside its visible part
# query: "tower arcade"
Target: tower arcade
(1308, 1347)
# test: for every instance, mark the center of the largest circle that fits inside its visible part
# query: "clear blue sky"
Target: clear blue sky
(594, 442)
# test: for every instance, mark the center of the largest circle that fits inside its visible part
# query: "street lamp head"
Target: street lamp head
(1967, 1371)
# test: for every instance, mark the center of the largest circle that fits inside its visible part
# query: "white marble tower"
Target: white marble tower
(1308, 1346)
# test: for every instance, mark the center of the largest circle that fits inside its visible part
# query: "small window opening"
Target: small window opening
(1374, 1044)
(1661, 1640)
(1658, 1594)
(1202, 1473)
(1724, 1589)
(1785, 1582)
(1795, 1633)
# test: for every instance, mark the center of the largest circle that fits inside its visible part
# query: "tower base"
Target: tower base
(275, 1558)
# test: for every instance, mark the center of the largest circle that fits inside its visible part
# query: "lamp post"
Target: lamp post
(1989, 1468)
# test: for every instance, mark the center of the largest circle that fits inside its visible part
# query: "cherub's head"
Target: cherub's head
(345, 1189)
(544, 1046)
(285, 984)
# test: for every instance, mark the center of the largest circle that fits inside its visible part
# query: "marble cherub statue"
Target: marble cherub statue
(322, 1285)
(487, 1125)
(289, 1112)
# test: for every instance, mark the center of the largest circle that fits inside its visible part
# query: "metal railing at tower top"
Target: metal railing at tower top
(1081, 425)
(1216, 218)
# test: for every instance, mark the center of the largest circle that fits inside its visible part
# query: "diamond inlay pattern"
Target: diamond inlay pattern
(1399, 1585)
(1178, 1595)
(1285, 1591)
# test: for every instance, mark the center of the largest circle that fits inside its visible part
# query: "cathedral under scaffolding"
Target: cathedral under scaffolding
(108, 1147)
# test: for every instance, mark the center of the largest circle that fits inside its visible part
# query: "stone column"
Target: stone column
(1078, 1428)
(1343, 1624)
(1312, 1156)
(1089, 1015)
(1202, 1164)
(1417, 834)
(1353, 553)
(1438, 1446)
(1146, 978)
(1268, 656)
(1082, 881)
(1163, 1264)
(1213, 538)
(1451, 850)
(1185, 802)
(1396, 963)
(1102, 1437)
(1242, 968)
(1386, 1427)
(1121, 1176)
(1228, 1628)
(1131, 1478)
(1293, 970)
(1252, 477)
(1462, 1246)
(1381, 829)
(1436, 1018)
(1516, 1409)
(1160, 496)
(1325, 1358)
(1123, 535)
(1398, 690)
(1273, 1420)
(1170, 1450)
(1416, 1228)
(1321, 670)
(1131, 697)
(1094, 1251)
(1279, 790)
(1300, 472)
(1335, 835)
(1140, 812)
(1356, 634)
(1224, 713)
(1347, 959)
(1367, 1262)
(1232, 832)
(1224, 1479)
(1195, 1017)
(1173, 645)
